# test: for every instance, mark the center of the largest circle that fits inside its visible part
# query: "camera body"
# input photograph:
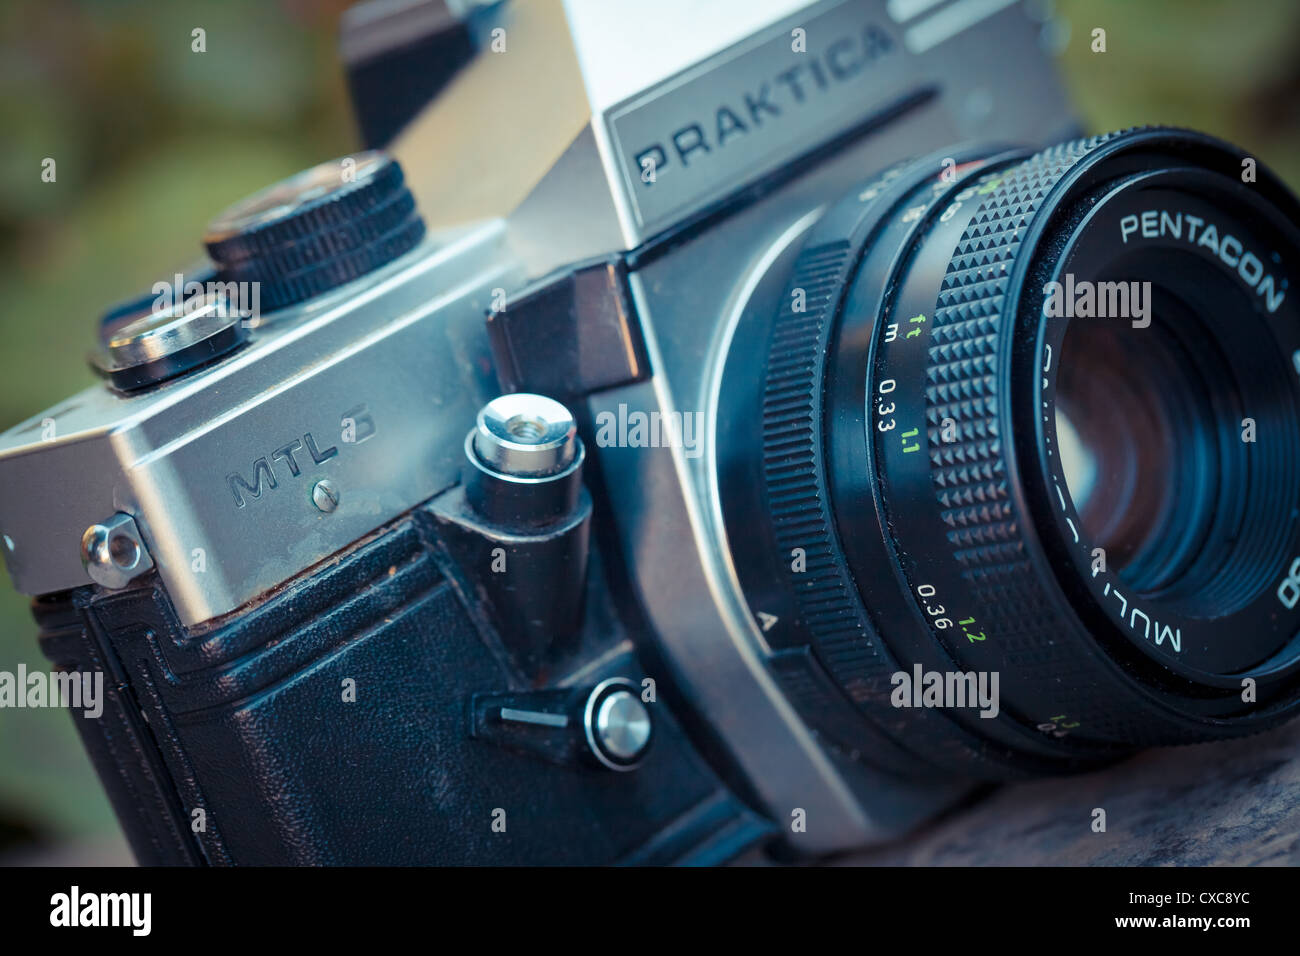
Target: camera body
(337, 643)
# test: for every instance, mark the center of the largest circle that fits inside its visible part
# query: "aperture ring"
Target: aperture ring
(796, 488)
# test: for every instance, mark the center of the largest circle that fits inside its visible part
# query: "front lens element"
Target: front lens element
(1138, 435)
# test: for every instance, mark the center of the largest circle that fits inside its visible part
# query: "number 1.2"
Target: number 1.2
(965, 626)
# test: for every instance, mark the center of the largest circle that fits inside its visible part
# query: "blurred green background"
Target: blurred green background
(151, 139)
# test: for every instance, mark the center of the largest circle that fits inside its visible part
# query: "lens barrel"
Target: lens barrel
(1036, 418)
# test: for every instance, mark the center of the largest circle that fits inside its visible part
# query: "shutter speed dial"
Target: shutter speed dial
(316, 230)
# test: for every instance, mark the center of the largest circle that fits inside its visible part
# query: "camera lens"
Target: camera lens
(1032, 419)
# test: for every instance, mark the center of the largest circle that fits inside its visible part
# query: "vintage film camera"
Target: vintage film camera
(640, 470)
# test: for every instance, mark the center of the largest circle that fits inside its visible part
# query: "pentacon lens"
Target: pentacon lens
(1039, 418)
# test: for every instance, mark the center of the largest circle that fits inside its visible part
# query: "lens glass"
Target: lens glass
(1139, 438)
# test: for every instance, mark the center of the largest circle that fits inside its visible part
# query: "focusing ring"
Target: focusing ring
(973, 484)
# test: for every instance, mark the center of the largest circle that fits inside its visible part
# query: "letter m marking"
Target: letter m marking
(237, 482)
